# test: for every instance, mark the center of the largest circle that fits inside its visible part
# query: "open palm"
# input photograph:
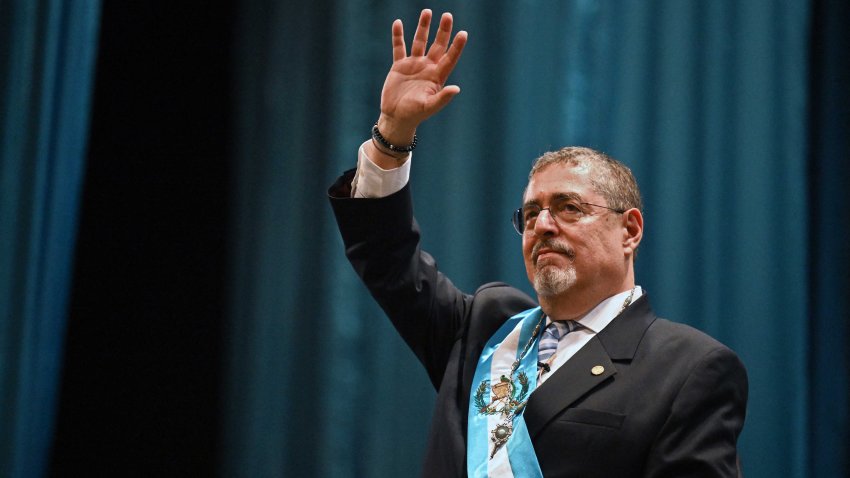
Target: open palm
(414, 89)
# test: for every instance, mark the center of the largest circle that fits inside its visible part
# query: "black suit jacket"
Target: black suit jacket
(670, 402)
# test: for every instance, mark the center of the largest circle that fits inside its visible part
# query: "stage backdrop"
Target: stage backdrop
(47, 52)
(707, 102)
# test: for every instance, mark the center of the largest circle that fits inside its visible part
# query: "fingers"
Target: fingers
(441, 99)
(399, 49)
(441, 41)
(420, 39)
(448, 62)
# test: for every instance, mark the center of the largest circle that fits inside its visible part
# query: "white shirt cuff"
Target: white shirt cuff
(371, 181)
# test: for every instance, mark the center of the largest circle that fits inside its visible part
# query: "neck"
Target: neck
(574, 304)
(564, 308)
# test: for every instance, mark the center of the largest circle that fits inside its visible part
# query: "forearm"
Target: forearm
(382, 243)
(380, 235)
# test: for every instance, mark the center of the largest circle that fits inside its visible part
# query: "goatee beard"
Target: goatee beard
(551, 281)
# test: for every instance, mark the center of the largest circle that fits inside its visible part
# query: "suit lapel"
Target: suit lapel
(582, 373)
(568, 384)
(623, 335)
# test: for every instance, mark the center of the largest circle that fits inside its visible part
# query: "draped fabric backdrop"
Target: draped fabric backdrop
(47, 51)
(707, 102)
(829, 255)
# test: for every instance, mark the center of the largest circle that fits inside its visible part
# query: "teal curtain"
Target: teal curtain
(707, 101)
(47, 53)
(829, 174)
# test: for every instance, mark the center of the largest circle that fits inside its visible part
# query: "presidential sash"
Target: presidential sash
(498, 443)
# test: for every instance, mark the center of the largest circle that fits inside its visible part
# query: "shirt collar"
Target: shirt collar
(600, 316)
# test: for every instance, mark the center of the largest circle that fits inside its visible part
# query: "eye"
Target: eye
(567, 207)
(530, 212)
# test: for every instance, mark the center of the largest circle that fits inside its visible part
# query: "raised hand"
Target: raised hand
(415, 86)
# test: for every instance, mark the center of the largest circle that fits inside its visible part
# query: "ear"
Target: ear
(632, 230)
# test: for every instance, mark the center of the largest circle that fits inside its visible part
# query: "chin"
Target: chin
(553, 281)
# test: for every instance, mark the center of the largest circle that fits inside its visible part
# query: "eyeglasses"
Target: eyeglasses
(563, 210)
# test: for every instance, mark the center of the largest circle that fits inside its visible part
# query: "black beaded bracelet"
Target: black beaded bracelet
(377, 136)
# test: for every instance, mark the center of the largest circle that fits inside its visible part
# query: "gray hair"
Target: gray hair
(610, 178)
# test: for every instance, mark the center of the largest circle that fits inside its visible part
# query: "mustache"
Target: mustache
(553, 245)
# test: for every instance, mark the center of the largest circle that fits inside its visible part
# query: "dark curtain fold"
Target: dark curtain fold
(829, 256)
(46, 69)
(706, 101)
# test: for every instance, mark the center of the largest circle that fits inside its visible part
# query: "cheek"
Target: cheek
(527, 246)
(603, 246)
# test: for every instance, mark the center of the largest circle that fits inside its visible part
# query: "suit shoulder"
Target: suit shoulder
(693, 352)
(686, 341)
(492, 304)
(499, 286)
(504, 296)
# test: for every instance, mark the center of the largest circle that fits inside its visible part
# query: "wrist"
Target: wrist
(398, 156)
(387, 147)
(396, 132)
(381, 159)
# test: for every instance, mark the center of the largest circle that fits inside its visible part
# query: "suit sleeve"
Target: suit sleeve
(699, 438)
(381, 241)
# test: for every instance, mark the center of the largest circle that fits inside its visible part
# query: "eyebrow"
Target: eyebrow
(555, 197)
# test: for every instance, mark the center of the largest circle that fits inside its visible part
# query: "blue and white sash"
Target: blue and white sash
(516, 457)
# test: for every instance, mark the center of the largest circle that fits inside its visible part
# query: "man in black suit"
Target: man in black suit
(590, 383)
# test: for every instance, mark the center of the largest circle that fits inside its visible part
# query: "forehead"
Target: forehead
(560, 179)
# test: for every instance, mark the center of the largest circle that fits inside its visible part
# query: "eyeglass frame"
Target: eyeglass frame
(519, 223)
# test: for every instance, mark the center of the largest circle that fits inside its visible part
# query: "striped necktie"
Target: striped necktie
(549, 341)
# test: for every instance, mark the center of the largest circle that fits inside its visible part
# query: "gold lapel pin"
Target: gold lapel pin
(597, 370)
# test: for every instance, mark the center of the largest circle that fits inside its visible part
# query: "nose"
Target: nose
(547, 226)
